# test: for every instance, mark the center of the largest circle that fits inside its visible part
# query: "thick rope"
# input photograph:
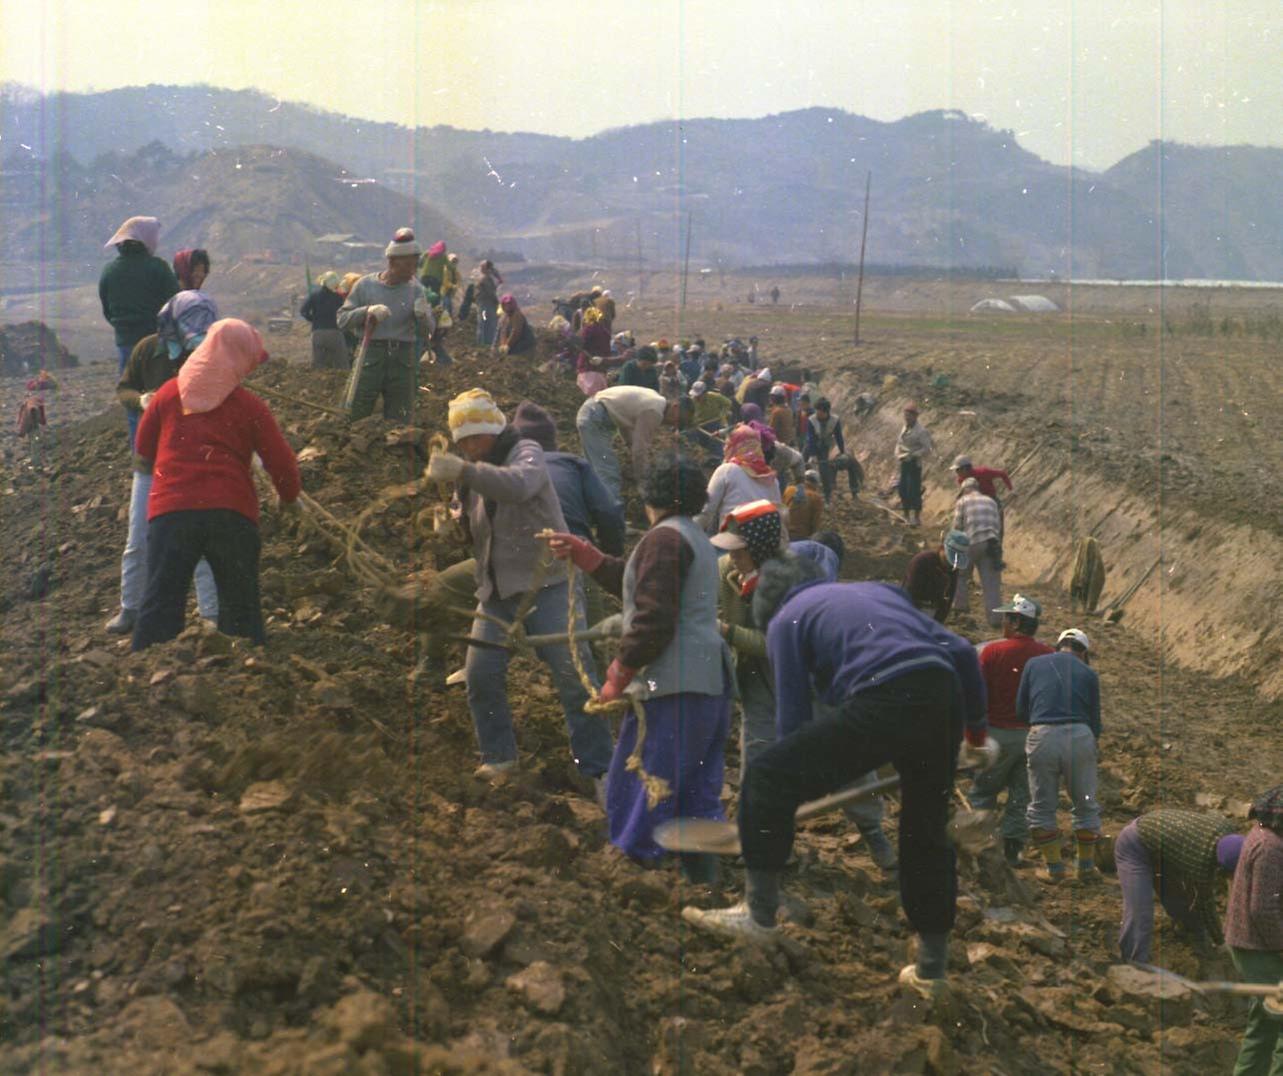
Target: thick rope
(657, 789)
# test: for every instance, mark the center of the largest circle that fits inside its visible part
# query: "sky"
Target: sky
(1079, 81)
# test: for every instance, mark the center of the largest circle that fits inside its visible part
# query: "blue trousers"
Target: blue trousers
(487, 678)
(685, 745)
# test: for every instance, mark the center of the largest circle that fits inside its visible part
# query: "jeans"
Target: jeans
(1137, 880)
(1009, 772)
(1261, 1053)
(487, 679)
(597, 438)
(913, 722)
(176, 541)
(1053, 752)
(133, 563)
(389, 368)
(131, 417)
(987, 560)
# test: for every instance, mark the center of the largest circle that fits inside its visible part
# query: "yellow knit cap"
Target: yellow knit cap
(475, 412)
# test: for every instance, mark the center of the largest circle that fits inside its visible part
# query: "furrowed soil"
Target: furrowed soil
(225, 859)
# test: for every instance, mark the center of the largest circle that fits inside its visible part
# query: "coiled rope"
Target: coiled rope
(657, 789)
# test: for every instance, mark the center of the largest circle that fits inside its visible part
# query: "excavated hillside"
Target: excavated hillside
(216, 858)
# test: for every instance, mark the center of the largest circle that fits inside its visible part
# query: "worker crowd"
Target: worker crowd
(732, 596)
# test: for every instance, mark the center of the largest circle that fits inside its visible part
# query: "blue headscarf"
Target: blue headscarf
(184, 320)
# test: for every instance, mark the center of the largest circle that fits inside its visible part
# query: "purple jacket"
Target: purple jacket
(838, 639)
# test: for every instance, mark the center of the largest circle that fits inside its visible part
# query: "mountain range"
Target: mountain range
(947, 190)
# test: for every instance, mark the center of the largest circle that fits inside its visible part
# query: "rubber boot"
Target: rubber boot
(701, 868)
(1047, 844)
(1011, 849)
(1086, 841)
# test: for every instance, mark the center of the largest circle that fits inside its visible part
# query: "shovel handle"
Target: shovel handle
(847, 795)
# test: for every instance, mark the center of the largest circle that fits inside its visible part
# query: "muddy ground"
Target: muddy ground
(223, 859)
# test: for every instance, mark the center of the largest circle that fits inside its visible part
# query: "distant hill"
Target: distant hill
(947, 190)
(257, 202)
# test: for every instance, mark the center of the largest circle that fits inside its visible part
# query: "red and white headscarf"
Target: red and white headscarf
(744, 447)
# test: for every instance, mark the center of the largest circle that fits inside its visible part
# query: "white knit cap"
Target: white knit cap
(403, 243)
(474, 412)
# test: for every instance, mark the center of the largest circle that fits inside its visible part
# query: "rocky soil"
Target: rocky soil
(221, 859)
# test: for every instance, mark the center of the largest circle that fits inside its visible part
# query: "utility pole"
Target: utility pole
(864, 236)
(641, 283)
(686, 265)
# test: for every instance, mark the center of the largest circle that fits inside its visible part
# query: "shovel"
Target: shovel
(1273, 994)
(722, 838)
(349, 390)
(970, 831)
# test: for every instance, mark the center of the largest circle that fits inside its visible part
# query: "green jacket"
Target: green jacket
(132, 290)
(433, 267)
(744, 640)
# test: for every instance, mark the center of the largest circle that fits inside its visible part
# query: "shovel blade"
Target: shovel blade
(698, 835)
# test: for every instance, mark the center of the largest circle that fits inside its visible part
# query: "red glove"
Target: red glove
(975, 737)
(618, 676)
(583, 554)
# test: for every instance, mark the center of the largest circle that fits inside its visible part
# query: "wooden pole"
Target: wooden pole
(864, 236)
(686, 265)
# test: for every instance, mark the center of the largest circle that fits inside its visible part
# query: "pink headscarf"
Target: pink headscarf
(508, 303)
(744, 447)
(146, 230)
(437, 249)
(231, 350)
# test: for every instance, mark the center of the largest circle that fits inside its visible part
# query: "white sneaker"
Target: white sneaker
(733, 922)
(491, 770)
(927, 989)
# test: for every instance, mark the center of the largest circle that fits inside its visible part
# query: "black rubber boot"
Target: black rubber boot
(1011, 849)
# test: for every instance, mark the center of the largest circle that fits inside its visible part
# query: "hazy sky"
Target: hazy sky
(1086, 81)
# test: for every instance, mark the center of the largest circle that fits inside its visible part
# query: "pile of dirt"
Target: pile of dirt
(224, 859)
(31, 346)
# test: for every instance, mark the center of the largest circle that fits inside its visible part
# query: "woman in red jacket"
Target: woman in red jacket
(201, 430)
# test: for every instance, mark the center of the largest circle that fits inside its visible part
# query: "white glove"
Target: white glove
(979, 758)
(444, 467)
(377, 312)
(144, 400)
(421, 308)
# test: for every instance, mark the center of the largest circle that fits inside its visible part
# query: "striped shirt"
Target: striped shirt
(977, 516)
(1182, 845)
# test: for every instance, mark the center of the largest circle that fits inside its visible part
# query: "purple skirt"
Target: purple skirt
(686, 746)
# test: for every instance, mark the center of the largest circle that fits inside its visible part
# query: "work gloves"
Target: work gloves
(377, 313)
(618, 677)
(978, 751)
(421, 308)
(582, 553)
(144, 400)
(444, 467)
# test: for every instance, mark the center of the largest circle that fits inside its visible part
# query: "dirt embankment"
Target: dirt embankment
(227, 860)
(1203, 583)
